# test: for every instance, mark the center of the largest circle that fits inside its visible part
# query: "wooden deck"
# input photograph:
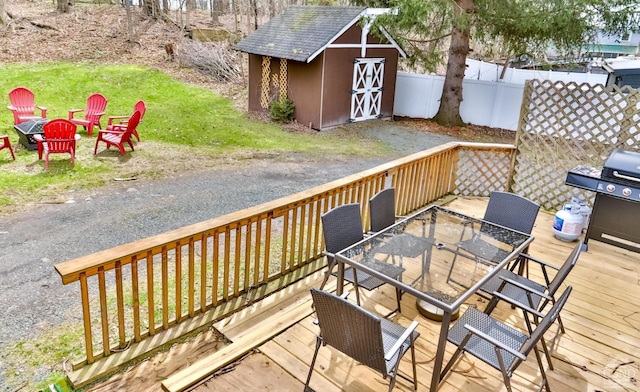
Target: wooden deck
(273, 341)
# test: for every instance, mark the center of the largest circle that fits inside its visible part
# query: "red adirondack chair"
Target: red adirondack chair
(96, 103)
(6, 143)
(59, 137)
(23, 105)
(119, 138)
(119, 123)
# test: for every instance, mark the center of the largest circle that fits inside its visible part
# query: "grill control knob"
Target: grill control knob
(626, 192)
(611, 188)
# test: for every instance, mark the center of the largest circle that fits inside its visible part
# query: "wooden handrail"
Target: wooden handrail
(166, 279)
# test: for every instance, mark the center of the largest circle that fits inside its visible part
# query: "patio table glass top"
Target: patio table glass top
(426, 246)
(436, 269)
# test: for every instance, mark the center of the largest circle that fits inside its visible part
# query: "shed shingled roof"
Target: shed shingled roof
(300, 31)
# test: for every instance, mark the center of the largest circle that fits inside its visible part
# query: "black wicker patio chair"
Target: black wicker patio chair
(342, 227)
(499, 345)
(504, 209)
(369, 339)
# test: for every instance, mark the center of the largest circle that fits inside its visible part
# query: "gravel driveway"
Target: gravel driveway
(32, 296)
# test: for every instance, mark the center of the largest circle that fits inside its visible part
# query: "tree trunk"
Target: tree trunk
(255, 14)
(217, 10)
(449, 111)
(187, 16)
(63, 5)
(127, 7)
(4, 18)
(151, 8)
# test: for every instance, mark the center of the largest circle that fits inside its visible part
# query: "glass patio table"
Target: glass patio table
(436, 271)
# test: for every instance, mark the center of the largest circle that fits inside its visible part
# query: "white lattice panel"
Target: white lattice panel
(563, 125)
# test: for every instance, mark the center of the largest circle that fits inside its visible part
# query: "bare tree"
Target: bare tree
(187, 18)
(4, 18)
(63, 5)
(127, 8)
(151, 8)
(217, 10)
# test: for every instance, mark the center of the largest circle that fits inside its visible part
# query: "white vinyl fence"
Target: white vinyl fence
(485, 102)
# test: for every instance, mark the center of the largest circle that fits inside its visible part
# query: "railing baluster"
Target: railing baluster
(203, 271)
(136, 299)
(225, 271)
(165, 288)
(178, 251)
(120, 304)
(285, 240)
(247, 253)
(257, 253)
(237, 257)
(215, 253)
(150, 293)
(86, 316)
(267, 250)
(104, 314)
(191, 279)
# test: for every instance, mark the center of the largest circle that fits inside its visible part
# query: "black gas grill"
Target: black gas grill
(615, 218)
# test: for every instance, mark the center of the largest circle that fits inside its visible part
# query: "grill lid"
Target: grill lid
(622, 166)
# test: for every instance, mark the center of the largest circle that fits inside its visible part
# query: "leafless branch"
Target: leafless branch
(210, 58)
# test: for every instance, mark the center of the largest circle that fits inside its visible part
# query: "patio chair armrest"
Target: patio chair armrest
(41, 108)
(112, 118)
(526, 308)
(11, 107)
(525, 288)
(324, 252)
(405, 335)
(100, 114)
(72, 112)
(39, 138)
(76, 136)
(112, 131)
(495, 342)
(537, 260)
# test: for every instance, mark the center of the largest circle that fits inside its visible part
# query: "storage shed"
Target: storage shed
(326, 61)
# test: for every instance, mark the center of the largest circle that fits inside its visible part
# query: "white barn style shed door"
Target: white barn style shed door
(366, 95)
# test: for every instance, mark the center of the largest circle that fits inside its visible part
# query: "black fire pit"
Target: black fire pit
(27, 129)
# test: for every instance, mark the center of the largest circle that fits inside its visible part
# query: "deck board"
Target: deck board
(602, 319)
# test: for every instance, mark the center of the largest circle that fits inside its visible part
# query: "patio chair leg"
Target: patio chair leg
(327, 274)
(313, 361)
(545, 381)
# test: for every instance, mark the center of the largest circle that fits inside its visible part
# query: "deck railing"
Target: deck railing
(138, 290)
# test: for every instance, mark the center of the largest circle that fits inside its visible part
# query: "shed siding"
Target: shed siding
(353, 35)
(255, 82)
(338, 83)
(305, 84)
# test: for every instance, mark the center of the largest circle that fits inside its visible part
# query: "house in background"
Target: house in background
(612, 46)
(325, 59)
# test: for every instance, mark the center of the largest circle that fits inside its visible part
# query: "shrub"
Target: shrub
(282, 110)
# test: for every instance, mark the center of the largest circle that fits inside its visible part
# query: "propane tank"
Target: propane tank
(585, 210)
(568, 223)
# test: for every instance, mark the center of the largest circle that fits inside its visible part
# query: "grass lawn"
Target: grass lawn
(185, 127)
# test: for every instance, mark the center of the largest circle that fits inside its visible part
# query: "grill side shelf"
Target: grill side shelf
(584, 177)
